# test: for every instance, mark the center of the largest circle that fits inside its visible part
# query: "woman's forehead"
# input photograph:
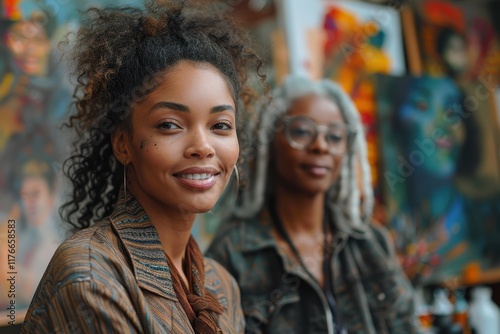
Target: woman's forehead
(318, 107)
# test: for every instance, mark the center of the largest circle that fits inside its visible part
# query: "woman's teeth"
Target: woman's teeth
(203, 176)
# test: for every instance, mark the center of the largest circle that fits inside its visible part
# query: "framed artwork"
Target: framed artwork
(35, 95)
(441, 174)
(457, 40)
(362, 39)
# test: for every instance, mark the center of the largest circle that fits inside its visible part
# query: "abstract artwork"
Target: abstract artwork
(362, 39)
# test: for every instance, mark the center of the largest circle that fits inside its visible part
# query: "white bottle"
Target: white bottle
(484, 314)
(442, 311)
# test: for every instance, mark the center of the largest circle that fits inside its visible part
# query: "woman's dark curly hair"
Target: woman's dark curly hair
(117, 54)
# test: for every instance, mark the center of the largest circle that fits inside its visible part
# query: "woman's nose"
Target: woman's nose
(199, 145)
(320, 144)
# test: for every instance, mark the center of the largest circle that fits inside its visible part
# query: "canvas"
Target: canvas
(34, 97)
(362, 39)
(440, 170)
(457, 40)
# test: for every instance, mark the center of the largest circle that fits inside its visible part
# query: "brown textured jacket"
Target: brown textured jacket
(114, 278)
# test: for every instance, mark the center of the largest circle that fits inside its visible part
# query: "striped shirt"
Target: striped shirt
(113, 277)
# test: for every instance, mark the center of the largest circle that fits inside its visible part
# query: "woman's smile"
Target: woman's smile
(198, 178)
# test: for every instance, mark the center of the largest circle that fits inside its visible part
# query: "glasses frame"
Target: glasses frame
(319, 128)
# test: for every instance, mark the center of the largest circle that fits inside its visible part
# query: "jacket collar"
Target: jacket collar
(142, 243)
(256, 234)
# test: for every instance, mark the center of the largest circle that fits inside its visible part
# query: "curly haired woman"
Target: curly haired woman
(159, 93)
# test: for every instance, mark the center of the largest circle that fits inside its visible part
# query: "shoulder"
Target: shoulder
(220, 282)
(374, 235)
(87, 253)
(228, 239)
(242, 234)
(231, 231)
(217, 279)
(88, 271)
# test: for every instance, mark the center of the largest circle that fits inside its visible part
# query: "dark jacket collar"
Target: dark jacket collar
(256, 234)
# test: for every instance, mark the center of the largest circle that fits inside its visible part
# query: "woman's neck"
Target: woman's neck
(174, 239)
(173, 226)
(174, 231)
(299, 214)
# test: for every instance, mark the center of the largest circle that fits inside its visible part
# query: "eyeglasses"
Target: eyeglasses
(301, 132)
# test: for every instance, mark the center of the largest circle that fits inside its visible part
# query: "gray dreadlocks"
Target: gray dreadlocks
(344, 197)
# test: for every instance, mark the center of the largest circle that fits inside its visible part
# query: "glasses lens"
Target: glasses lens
(337, 138)
(301, 132)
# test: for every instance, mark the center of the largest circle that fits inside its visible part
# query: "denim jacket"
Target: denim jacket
(372, 294)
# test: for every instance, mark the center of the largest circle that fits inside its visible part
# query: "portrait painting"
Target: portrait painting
(440, 174)
(457, 40)
(35, 99)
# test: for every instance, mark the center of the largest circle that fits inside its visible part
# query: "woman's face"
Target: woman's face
(183, 144)
(30, 47)
(311, 170)
(37, 200)
(433, 125)
(455, 53)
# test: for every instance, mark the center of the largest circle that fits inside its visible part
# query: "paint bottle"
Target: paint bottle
(423, 312)
(484, 314)
(461, 309)
(442, 314)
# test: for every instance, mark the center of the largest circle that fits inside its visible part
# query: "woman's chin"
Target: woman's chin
(196, 209)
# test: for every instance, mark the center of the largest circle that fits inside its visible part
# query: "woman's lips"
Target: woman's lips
(198, 178)
(445, 143)
(197, 181)
(316, 170)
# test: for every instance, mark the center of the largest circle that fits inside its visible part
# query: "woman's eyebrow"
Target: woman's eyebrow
(184, 108)
(221, 108)
(170, 105)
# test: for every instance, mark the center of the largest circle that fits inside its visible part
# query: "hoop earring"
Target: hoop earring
(125, 180)
(237, 177)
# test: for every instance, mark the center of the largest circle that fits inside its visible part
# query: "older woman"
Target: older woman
(302, 245)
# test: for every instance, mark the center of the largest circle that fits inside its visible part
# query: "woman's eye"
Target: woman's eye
(421, 105)
(222, 126)
(301, 132)
(168, 126)
(335, 138)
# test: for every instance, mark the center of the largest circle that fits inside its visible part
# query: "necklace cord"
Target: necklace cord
(327, 253)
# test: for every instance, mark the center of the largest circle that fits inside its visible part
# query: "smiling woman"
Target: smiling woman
(159, 95)
(184, 141)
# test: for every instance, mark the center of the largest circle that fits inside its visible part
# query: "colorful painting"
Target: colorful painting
(457, 40)
(35, 95)
(362, 39)
(441, 174)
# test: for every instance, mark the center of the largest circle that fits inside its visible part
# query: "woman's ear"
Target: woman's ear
(119, 141)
